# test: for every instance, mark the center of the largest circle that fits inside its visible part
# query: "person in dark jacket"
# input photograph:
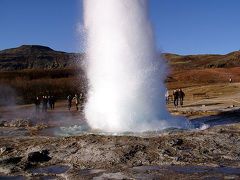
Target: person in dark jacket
(69, 99)
(175, 98)
(44, 104)
(48, 102)
(37, 103)
(181, 96)
(52, 102)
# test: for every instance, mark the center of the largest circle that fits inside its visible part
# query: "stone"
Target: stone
(176, 142)
(11, 160)
(39, 156)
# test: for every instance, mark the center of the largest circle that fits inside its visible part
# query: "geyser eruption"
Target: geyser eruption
(126, 75)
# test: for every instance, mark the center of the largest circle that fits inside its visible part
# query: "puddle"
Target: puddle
(48, 177)
(145, 176)
(149, 168)
(227, 170)
(111, 176)
(186, 150)
(90, 172)
(206, 122)
(51, 170)
(185, 170)
(12, 178)
(83, 129)
(223, 170)
(189, 170)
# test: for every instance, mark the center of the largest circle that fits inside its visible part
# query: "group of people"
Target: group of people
(178, 96)
(77, 99)
(48, 102)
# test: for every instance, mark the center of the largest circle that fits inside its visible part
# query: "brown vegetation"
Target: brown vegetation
(199, 77)
(31, 83)
(201, 61)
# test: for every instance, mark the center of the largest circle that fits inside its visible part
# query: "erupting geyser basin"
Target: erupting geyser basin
(126, 74)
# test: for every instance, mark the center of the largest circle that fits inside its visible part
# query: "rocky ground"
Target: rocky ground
(210, 153)
(214, 152)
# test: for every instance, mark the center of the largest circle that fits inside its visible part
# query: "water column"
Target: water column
(126, 74)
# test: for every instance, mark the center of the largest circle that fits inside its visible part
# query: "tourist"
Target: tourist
(51, 102)
(82, 99)
(69, 99)
(181, 96)
(175, 98)
(77, 101)
(167, 96)
(37, 103)
(44, 104)
(230, 80)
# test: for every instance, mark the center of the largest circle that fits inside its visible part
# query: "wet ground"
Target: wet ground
(213, 153)
(209, 150)
(142, 172)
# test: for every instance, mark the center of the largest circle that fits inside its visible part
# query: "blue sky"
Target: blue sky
(181, 26)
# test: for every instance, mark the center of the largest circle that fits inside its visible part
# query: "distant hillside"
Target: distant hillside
(36, 57)
(41, 57)
(203, 61)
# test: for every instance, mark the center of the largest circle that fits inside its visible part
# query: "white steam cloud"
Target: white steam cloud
(125, 73)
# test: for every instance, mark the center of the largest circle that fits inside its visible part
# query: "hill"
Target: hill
(203, 61)
(41, 57)
(36, 57)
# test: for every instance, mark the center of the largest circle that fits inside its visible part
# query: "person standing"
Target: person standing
(181, 96)
(167, 96)
(37, 103)
(44, 104)
(175, 98)
(49, 102)
(53, 102)
(81, 99)
(230, 80)
(77, 101)
(69, 99)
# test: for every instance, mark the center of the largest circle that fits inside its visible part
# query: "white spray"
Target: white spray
(126, 75)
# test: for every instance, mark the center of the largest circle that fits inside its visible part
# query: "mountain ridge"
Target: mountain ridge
(43, 57)
(36, 57)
